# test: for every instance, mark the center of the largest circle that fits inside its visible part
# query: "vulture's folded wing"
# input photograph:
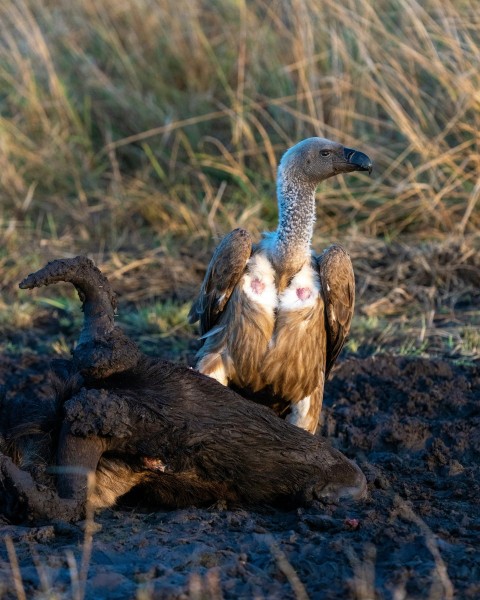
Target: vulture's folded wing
(224, 272)
(338, 290)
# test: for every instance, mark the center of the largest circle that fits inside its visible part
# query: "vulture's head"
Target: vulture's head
(315, 159)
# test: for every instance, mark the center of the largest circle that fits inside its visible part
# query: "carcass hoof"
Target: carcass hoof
(353, 489)
(22, 499)
(13, 492)
(347, 483)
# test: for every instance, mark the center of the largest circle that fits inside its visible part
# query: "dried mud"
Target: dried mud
(414, 427)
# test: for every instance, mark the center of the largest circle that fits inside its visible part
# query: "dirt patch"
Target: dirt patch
(414, 427)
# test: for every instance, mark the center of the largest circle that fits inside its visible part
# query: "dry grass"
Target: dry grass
(140, 131)
(420, 299)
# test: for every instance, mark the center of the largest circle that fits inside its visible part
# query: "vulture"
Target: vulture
(274, 315)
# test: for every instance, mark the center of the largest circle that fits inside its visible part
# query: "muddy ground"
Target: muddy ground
(412, 424)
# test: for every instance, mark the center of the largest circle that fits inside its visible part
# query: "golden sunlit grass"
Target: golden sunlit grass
(140, 131)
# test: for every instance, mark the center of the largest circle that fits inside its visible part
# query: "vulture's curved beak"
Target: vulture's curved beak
(358, 160)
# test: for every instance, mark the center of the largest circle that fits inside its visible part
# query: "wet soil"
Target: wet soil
(414, 427)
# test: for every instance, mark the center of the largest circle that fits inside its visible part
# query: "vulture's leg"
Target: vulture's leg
(306, 413)
(37, 502)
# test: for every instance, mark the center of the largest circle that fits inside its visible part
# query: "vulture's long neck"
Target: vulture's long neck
(296, 205)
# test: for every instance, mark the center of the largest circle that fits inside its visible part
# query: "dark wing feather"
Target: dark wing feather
(338, 290)
(224, 272)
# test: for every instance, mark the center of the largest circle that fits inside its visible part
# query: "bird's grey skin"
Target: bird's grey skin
(302, 168)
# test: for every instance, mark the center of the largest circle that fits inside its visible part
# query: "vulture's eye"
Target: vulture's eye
(325, 153)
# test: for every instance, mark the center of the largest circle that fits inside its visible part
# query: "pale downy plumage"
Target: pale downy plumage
(274, 315)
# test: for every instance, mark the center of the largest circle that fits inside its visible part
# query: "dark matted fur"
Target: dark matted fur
(214, 445)
(204, 432)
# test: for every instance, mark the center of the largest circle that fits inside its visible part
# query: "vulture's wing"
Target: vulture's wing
(224, 272)
(338, 290)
